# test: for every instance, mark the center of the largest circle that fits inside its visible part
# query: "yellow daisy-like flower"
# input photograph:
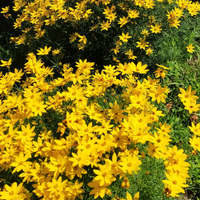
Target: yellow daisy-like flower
(156, 29)
(190, 48)
(6, 63)
(56, 51)
(145, 33)
(44, 51)
(123, 21)
(124, 38)
(142, 44)
(105, 25)
(82, 39)
(149, 51)
(5, 10)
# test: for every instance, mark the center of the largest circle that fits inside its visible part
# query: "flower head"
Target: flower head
(190, 48)
(6, 63)
(44, 51)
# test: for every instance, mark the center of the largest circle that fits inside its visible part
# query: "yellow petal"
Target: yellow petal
(128, 196)
(136, 197)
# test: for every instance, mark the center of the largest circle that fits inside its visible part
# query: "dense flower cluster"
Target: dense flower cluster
(115, 127)
(91, 135)
(37, 15)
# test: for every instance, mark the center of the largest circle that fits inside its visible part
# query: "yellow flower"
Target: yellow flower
(191, 106)
(149, 51)
(124, 38)
(125, 183)
(83, 39)
(149, 4)
(21, 162)
(158, 94)
(152, 19)
(105, 25)
(160, 139)
(26, 134)
(56, 187)
(6, 63)
(187, 95)
(139, 3)
(175, 22)
(160, 73)
(130, 54)
(81, 46)
(142, 44)
(108, 11)
(130, 164)
(44, 51)
(156, 29)
(56, 51)
(176, 183)
(87, 14)
(125, 69)
(133, 13)
(38, 107)
(139, 68)
(13, 192)
(111, 17)
(84, 66)
(104, 175)
(152, 150)
(195, 129)
(57, 164)
(98, 190)
(94, 27)
(87, 144)
(194, 152)
(145, 32)
(115, 59)
(192, 9)
(78, 159)
(116, 50)
(5, 10)
(195, 142)
(72, 37)
(123, 21)
(164, 128)
(190, 48)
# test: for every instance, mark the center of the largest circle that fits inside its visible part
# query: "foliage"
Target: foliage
(99, 99)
